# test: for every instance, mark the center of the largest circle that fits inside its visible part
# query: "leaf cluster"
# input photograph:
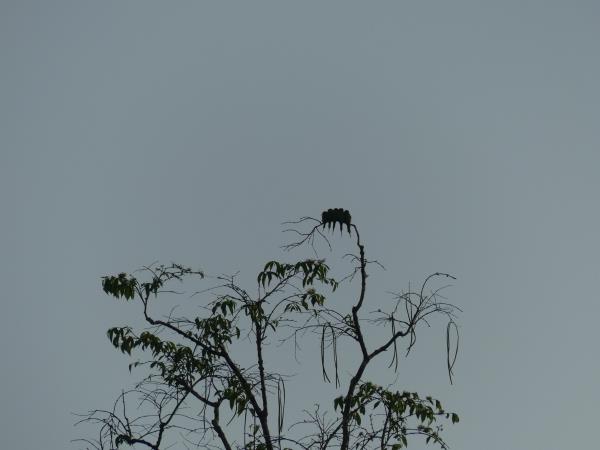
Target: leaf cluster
(397, 408)
(309, 269)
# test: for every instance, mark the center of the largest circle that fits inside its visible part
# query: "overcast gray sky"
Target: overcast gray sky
(462, 135)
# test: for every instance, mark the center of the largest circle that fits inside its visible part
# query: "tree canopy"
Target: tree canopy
(200, 390)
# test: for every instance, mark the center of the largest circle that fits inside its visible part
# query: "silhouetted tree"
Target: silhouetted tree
(195, 372)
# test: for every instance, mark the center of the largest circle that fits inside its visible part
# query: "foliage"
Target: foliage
(194, 371)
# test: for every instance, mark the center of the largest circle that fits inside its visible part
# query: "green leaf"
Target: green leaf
(338, 402)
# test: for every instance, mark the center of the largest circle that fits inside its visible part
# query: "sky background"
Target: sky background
(462, 136)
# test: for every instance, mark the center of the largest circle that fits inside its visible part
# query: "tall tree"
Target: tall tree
(197, 369)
